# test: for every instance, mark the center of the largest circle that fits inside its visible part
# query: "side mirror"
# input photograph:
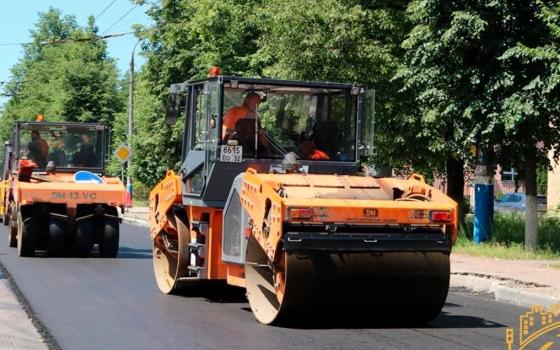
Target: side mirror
(171, 110)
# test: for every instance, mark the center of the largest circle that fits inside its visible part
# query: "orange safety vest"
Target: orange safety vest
(231, 118)
(318, 155)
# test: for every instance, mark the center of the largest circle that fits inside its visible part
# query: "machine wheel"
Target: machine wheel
(5, 217)
(55, 246)
(402, 287)
(109, 243)
(12, 228)
(171, 261)
(25, 235)
(83, 241)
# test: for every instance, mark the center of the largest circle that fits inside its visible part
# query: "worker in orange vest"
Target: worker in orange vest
(38, 149)
(247, 110)
(308, 150)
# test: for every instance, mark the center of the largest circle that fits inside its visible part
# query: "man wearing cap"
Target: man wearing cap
(247, 110)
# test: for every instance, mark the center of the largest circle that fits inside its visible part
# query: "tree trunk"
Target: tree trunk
(456, 184)
(531, 200)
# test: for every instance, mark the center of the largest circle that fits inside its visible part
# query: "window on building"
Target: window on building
(509, 174)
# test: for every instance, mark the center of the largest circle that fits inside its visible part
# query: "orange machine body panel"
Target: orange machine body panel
(330, 199)
(61, 189)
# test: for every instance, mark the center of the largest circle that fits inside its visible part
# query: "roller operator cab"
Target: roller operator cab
(57, 199)
(267, 198)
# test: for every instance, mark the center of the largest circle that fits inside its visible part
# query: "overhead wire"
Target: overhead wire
(120, 19)
(105, 9)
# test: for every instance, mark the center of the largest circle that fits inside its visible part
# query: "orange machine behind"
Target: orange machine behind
(60, 208)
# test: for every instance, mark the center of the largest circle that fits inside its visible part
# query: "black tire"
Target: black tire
(5, 217)
(12, 228)
(12, 235)
(109, 243)
(55, 246)
(83, 240)
(25, 235)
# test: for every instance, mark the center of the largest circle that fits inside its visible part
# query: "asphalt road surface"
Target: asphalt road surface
(97, 303)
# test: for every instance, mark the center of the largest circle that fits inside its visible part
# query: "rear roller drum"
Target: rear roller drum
(25, 235)
(170, 253)
(319, 284)
(83, 241)
(109, 243)
(55, 246)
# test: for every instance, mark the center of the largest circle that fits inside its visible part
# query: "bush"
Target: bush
(510, 228)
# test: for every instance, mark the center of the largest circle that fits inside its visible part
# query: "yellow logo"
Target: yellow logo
(532, 326)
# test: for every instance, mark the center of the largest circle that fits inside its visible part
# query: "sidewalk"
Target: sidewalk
(520, 282)
(16, 330)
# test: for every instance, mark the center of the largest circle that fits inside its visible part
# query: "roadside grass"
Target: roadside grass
(140, 202)
(507, 237)
(554, 266)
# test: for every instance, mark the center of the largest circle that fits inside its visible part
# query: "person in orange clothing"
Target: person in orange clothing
(308, 150)
(247, 110)
(38, 149)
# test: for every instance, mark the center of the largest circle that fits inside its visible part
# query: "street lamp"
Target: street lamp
(130, 121)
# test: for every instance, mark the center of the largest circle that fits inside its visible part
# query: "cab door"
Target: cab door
(202, 136)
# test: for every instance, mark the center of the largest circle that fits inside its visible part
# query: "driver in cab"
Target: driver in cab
(247, 110)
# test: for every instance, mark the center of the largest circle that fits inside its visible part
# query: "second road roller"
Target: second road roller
(271, 197)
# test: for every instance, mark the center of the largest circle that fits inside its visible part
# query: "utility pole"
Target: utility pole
(130, 124)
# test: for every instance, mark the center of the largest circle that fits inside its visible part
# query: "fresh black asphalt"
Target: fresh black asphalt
(97, 303)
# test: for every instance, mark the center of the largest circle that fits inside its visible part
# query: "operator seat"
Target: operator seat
(325, 136)
(245, 135)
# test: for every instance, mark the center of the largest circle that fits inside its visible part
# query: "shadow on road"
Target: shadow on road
(131, 253)
(338, 321)
(213, 292)
(447, 320)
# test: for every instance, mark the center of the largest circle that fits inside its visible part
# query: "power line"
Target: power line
(91, 38)
(61, 41)
(120, 19)
(105, 9)
(13, 44)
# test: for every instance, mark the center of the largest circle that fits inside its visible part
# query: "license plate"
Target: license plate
(231, 154)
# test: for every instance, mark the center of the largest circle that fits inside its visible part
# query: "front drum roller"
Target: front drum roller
(170, 252)
(411, 286)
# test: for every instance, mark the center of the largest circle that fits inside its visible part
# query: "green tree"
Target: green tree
(65, 74)
(350, 41)
(473, 85)
(188, 38)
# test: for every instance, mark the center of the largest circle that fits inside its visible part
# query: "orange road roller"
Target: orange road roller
(56, 197)
(269, 197)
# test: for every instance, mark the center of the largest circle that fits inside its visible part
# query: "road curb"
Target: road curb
(135, 221)
(23, 327)
(501, 291)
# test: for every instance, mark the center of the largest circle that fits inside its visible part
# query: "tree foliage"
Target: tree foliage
(65, 74)
(187, 38)
(485, 73)
(337, 40)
